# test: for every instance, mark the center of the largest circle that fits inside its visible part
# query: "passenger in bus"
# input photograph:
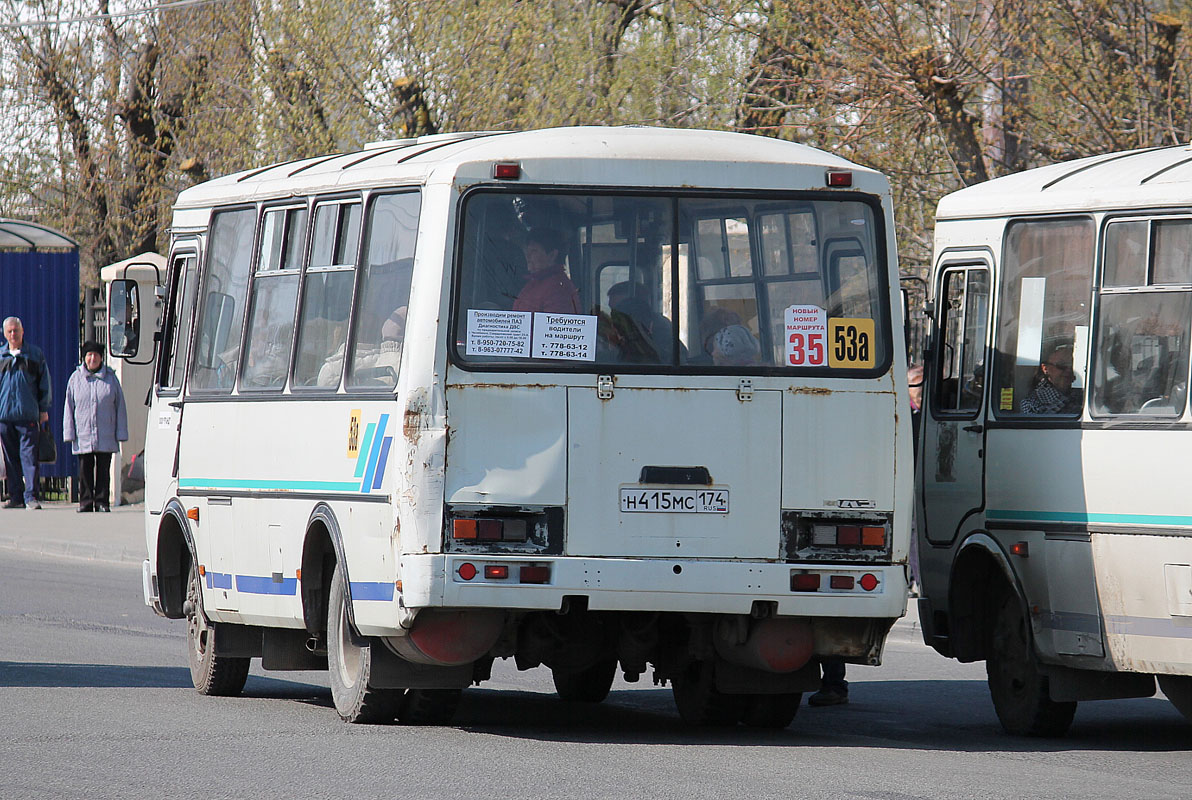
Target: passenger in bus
(548, 288)
(650, 334)
(726, 342)
(1053, 392)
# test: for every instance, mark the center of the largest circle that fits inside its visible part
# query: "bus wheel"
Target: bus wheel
(775, 711)
(1178, 689)
(428, 706)
(698, 700)
(588, 685)
(1019, 690)
(220, 676)
(349, 660)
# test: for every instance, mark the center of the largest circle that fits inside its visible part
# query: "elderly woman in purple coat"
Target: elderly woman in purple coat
(94, 421)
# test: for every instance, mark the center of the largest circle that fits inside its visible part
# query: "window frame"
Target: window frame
(961, 267)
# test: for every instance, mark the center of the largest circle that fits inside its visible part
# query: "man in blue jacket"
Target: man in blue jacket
(24, 405)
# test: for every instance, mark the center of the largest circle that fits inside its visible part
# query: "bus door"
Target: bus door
(163, 430)
(953, 454)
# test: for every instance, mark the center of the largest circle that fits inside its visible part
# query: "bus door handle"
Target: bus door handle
(978, 428)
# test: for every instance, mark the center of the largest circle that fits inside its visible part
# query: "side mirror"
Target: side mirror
(124, 319)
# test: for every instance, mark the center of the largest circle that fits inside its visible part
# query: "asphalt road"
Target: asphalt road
(96, 702)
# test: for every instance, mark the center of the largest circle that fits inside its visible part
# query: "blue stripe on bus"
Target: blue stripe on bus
(219, 580)
(256, 584)
(365, 447)
(266, 485)
(388, 440)
(1084, 517)
(373, 454)
(369, 590)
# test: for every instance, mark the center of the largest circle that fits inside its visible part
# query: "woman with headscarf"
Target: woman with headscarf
(94, 421)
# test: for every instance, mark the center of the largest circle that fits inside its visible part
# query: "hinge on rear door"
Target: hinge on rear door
(745, 390)
(604, 387)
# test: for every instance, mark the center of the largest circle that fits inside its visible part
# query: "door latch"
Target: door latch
(604, 387)
(745, 390)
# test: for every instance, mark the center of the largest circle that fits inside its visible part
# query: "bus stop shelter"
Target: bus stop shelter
(39, 282)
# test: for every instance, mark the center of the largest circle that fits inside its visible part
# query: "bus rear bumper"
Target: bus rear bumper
(704, 587)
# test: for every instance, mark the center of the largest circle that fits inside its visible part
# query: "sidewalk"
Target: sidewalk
(119, 537)
(58, 530)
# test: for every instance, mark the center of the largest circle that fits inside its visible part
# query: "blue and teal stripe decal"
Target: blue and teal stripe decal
(1089, 517)
(374, 454)
(288, 587)
(268, 485)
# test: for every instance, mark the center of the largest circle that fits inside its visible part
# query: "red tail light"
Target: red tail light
(530, 574)
(805, 582)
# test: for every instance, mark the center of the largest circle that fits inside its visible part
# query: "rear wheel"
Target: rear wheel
(1178, 689)
(349, 660)
(428, 706)
(700, 702)
(222, 676)
(1019, 690)
(588, 685)
(775, 711)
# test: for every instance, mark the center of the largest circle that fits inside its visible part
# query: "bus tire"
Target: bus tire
(774, 711)
(588, 685)
(700, 702)
(349, 661)
(428, 706)
(1019, 690)
(218, 676)
(1178, 689)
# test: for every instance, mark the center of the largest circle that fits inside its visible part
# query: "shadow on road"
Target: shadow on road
(27, 674)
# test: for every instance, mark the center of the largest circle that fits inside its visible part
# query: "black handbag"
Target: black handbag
(47, 448)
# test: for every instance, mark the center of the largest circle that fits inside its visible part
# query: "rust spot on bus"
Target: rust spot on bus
(816, 390)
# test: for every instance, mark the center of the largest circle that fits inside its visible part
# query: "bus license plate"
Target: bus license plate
(675, 501)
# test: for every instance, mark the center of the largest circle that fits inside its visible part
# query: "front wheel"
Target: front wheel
(211, 674)
(349, 661)
(1178, 689)
(1019, 690)
(588, 685)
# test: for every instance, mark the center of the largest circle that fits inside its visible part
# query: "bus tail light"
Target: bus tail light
(489, 530)
(496, 572)
(828, 535)
(534, 574)
(805, 582)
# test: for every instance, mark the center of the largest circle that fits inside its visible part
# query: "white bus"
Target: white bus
(1056, 529)
(586, 398)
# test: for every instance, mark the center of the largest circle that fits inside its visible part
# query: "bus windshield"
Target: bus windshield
(552, 280)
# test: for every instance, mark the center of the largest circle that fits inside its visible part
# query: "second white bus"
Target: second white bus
(1055, 526)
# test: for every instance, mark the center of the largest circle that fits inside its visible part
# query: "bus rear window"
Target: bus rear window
(652, 283)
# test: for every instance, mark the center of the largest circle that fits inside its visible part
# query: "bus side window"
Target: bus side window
(176, 348)
(327, 296)
(383, 297)
(1043, 318)
(274, 295)
(221, 316)
(1141, 354)
(960, 359)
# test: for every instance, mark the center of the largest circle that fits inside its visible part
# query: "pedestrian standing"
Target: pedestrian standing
(94, 421)
(24, 405)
